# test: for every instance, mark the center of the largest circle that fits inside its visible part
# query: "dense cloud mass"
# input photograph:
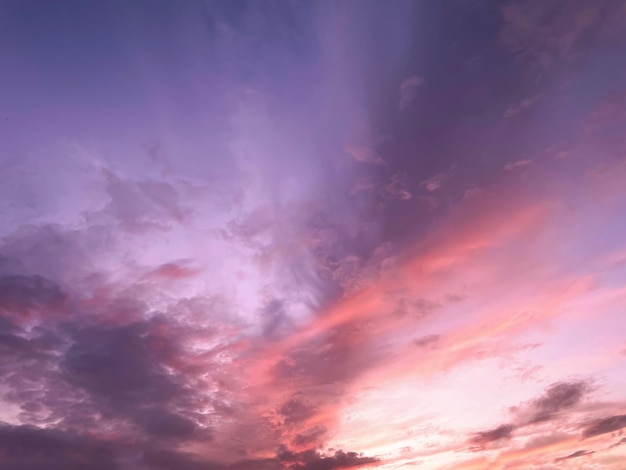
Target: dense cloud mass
(605, 425)
(558, 397)
(482, 438)
(312, 235)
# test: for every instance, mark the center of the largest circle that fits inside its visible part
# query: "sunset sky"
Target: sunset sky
(312, 235)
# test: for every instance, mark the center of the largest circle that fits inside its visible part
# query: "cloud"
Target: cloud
(295, 411)
(524, 104)
(83, 374)
(434, 183)
(137, 206)
(544, 35)
(408, 90)
(518, 164)
(364, 154)
(29, 448)
(364, 184)
(397, 188)
(139, 380)
(136, 372)
(173, 286)
(472, 192)
(172, 271)
(605, 425)
(557, 397)
(23, 295)
(354, 273)
(238, 299)
(309, 437)
(312, 460)
(578, 453)
(481, 439)
(427, 341)
(336, 357)
(164, 459)
(622, 441)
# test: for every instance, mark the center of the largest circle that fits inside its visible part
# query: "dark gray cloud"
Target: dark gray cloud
(578, 453)
(284, 460)
(59, 254)
(426, 341)
(296, 411)
(165, 459)
(162, 424)
(91, 376)
(275, 319)
(30, 448)
(22, 294)
(481, 439)
(123, 370)
(312, 460)
(605, 425)
(133, 375)
(117, 363)
(82, 374)
(309, 437)
(557, 397)
(14, 344)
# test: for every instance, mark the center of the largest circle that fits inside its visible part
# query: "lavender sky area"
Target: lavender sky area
(312, 235)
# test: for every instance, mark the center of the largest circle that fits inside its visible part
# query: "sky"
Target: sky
(312, 235)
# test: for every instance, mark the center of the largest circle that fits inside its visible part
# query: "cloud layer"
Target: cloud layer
(312, 235)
